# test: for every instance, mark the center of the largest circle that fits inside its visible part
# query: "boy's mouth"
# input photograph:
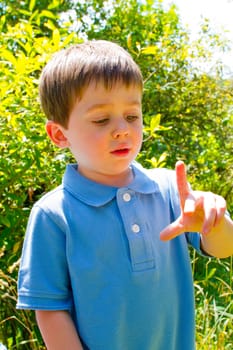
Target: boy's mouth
(121, 152)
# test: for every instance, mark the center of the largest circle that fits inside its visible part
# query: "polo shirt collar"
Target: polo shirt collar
(97, 194)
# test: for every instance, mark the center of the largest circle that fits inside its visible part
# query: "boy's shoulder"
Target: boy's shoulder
(51, 199)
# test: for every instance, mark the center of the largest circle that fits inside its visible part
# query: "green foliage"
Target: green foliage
(17, 328)
(214, 304)
(26, 153)
(29, 164)
(187, 115)
(43, 12)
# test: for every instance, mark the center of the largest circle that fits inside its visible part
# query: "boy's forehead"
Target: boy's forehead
(99, 89)
(101, 86)
(97, 96)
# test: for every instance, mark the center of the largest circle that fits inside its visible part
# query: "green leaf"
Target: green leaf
(150, 50)
(210, 273)
(5, 221)
(8, 56)
(32, 5)
(155, 122)
(56, 37)
(47, 14)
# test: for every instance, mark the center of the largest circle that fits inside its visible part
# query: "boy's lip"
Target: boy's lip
(121, 151)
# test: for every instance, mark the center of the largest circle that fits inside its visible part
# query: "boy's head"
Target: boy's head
(65, 78)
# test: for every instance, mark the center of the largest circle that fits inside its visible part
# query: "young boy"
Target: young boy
(105, 262)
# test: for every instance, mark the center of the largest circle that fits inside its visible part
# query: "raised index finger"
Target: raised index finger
(186, 199)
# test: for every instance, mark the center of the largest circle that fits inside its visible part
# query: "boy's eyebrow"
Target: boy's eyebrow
(97, 106)
(135, 103)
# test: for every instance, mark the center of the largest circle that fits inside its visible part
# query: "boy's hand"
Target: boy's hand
(200, 211)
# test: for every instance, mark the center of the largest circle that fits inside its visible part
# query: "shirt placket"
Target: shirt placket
(136, 230)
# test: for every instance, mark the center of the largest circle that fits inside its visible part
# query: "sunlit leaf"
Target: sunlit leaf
(32, 5)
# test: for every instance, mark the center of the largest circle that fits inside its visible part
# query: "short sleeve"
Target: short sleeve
(43, 281)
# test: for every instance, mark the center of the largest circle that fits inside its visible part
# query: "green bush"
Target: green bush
(29, 164)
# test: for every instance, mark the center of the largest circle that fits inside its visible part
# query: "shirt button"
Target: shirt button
(135, 228)
(126, 197)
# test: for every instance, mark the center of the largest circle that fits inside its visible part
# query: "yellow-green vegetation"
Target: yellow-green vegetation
(188, 115)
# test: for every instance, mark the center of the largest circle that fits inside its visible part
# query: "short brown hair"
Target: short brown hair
(71, 70)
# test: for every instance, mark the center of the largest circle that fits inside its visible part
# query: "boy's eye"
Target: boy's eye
(101, 121)
(131, 118)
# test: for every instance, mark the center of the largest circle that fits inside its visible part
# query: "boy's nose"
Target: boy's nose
(121, 129)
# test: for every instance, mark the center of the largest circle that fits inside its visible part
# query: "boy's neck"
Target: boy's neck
(118, 180)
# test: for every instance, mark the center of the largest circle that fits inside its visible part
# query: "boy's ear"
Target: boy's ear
(56, 134)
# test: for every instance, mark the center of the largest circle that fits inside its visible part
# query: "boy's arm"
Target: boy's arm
(58, 330)
(203, 212)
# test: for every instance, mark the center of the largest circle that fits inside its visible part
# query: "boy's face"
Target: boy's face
(104, 132)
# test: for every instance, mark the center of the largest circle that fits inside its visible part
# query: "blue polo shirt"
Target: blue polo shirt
(95, 250)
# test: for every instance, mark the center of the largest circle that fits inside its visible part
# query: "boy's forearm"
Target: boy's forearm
(219, 242)
(58, 330)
